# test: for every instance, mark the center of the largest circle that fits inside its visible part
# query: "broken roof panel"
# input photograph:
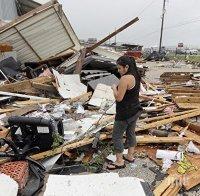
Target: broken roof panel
(40, 34)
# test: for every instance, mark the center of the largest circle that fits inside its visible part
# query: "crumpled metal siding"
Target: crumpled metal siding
(8, 10)
(45, 34)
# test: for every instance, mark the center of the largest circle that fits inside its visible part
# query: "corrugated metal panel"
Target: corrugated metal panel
(8, 10)
(41, 36)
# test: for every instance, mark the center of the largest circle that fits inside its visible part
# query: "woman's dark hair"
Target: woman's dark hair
(130, 61)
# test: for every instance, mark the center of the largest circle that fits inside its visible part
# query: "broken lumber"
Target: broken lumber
(192, 180)
(21, 95)
(25, 84)
(44, 87)
(173, 190)
(167, 121)
(66, 147)
(150, 98)
(23, 110)
(160, 189)
(156, 140)
(36, 102)
(167, 116)
(83, 98)
(194, 137)
(7, 110)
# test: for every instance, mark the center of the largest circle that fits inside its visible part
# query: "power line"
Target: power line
(145, 8)
(170, 27)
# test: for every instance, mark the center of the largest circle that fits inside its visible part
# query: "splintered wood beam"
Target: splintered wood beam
(194, 137)
(84, 97)
(192, 180)
(167, 121)
(22, 96)
(44, 87)
(159, 140)
(150, 98)
(162, 187)
(21, 86)
(167, 116)
(36, 102)
(187, 99)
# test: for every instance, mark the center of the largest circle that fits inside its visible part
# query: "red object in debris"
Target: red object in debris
(135, 54)
(18, 170)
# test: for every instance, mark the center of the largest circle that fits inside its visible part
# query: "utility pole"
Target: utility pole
(162, 25)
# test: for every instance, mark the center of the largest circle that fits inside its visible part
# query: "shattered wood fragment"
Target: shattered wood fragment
(169, 189)
(22, 111)
(88, 157)
(82, 98)
(164, 185)
(44, 87)
(36, 102)
(22, 96)
(188, 105)
(25, 85)
(173, 91)
(167, 121)
(192, 180)
(7, 110)
(151, 139)
(166, 116)
(150, 98)
(194, 137)
(3, 132)
(172, 190)
(187, 99)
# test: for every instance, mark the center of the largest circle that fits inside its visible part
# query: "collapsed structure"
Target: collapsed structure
(56, 100)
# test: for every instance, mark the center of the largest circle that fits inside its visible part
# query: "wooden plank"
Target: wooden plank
(158, 140)
(21, 95)
(22, 111)
(150, 98)
(175, 191)
(187, 94)
(194, 127)
(167, 116)
(7, 110)
(44, 87)
(4, 133)
(187, 99)
(167, 121)
(164, 185)
(188, 105)
(192, 180)
(82, 98)
(25, 84)
(173, 91)
(194, 137)
(36, 102)
(169, 189)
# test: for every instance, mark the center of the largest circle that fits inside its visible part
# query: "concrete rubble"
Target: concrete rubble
(57, 113)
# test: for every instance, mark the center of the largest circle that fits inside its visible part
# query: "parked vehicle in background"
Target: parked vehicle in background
(192, 51)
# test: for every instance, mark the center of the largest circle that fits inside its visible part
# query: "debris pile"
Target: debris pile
(58, 109)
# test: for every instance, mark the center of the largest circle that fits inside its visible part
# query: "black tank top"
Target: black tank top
(130, 104)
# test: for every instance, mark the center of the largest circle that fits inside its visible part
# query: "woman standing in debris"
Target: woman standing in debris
(128, 110)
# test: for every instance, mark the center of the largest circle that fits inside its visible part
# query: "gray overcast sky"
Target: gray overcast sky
(97, 18)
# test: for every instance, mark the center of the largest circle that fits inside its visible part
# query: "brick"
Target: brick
(18, 170)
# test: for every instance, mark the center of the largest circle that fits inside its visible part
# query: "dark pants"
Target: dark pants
(128, 127)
